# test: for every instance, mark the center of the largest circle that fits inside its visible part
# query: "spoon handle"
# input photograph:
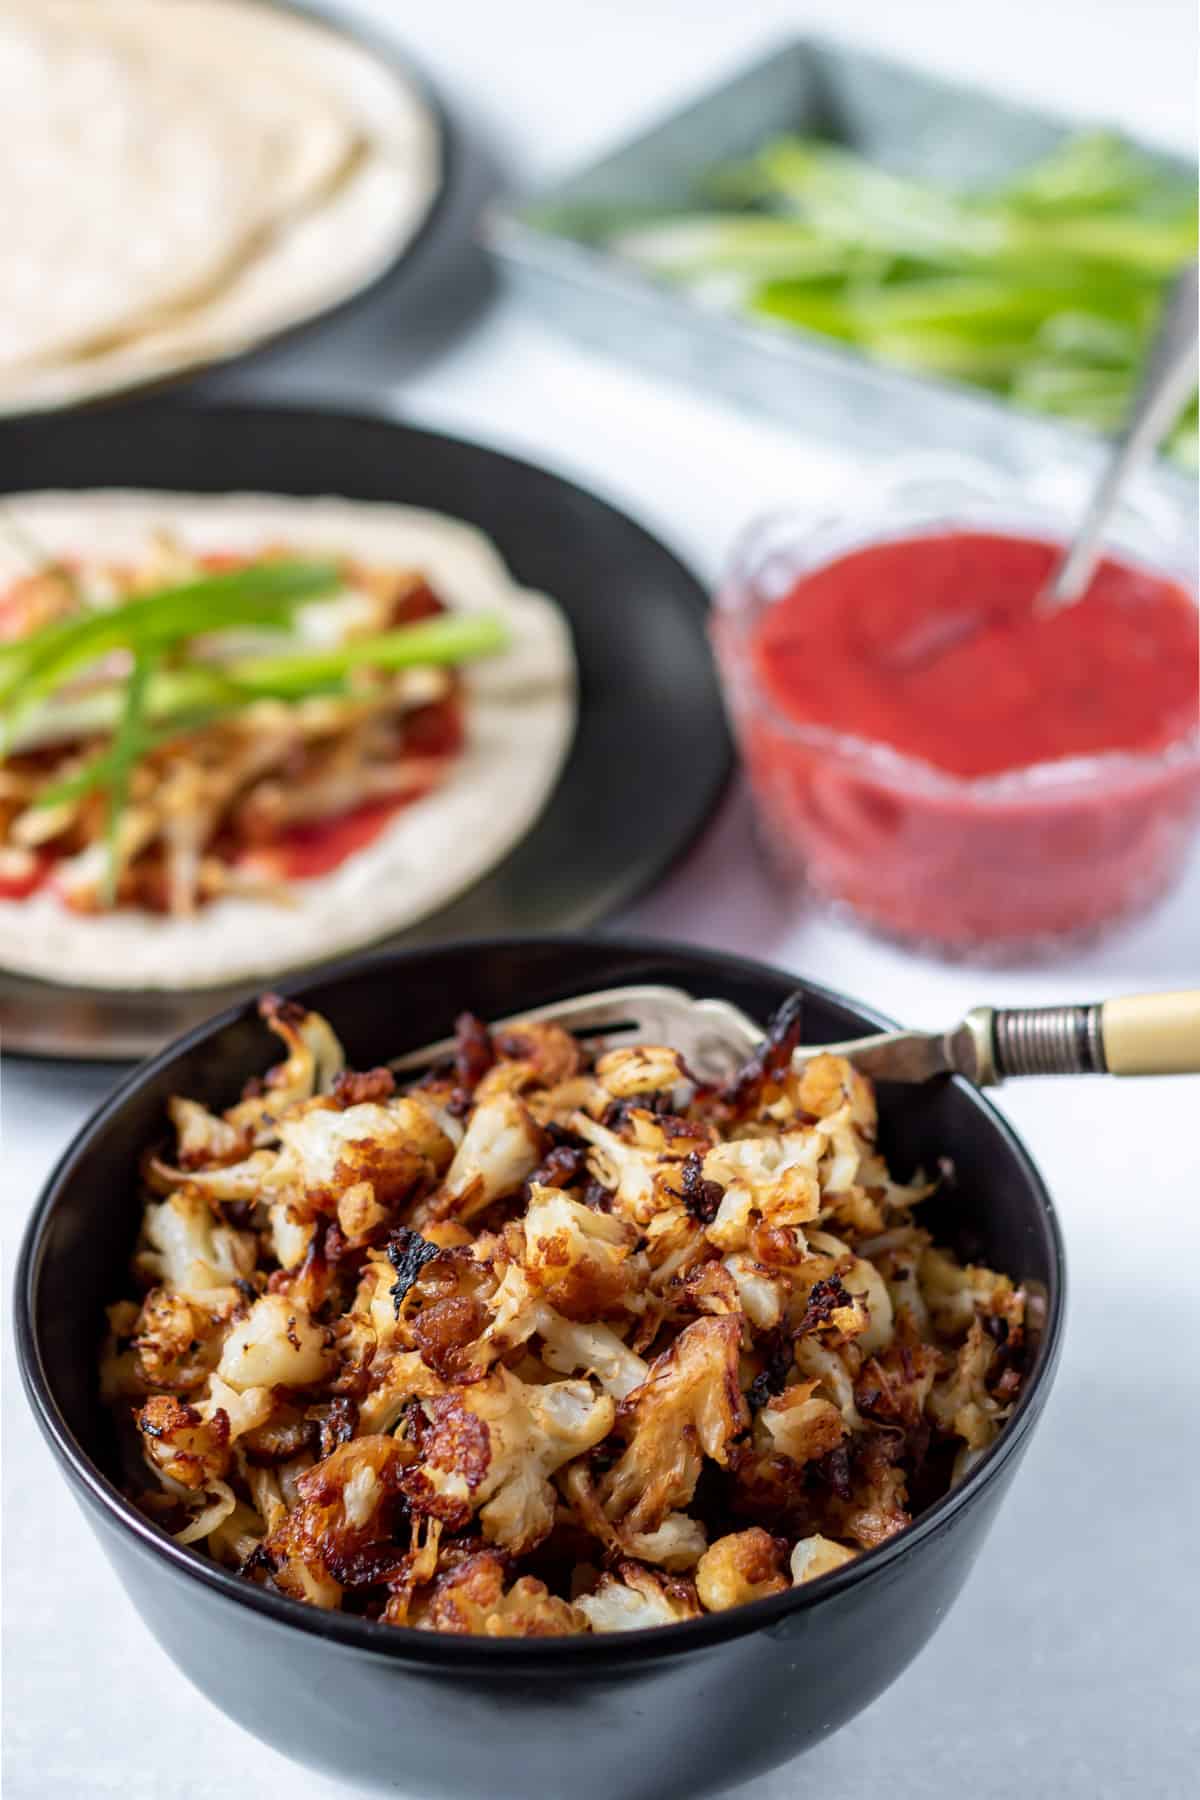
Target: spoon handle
(1167, 382)
(1139, 1034)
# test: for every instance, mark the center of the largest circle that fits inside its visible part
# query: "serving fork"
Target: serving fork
(1139, 1034)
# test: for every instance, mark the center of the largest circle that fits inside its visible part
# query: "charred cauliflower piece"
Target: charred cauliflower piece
(642, 1069)
(633, 1599)
(341, 1525)
(578, 1259)
(315, 1059)
(179, 1338)
(190, 1450)
(690, 1406)
(747, 1565)
(768, 1179)
(799, 1424)
(537, 1055)
(493, 1450)
(474, 1597)
(385, 1152)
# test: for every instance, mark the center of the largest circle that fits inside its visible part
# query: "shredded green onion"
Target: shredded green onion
(971, 285)
(126, 749)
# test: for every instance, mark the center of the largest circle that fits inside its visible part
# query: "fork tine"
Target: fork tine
(620, 1013)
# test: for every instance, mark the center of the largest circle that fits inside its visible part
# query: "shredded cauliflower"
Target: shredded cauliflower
(546, 1344)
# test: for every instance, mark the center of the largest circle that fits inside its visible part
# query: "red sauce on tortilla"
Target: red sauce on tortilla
(19, 887)
(434, 732)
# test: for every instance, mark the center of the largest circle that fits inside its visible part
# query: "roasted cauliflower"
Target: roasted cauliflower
(548, 1343)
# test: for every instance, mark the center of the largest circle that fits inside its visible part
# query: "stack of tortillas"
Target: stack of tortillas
(183, 179)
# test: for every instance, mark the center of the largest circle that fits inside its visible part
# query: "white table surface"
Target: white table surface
(1069, 1666)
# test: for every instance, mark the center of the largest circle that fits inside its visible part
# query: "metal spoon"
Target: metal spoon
(1167, 382)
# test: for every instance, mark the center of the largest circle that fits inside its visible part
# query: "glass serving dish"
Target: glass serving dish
(996, 868)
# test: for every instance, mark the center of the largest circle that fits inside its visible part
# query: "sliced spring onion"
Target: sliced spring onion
(265, 594)
(1059, 266)
(197, 689)
(127, 747)
(449, 638)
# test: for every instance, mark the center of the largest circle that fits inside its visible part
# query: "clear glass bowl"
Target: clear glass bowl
(997, 868)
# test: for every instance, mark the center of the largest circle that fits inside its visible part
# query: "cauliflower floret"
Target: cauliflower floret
(690, 1406)
(178, 1339)
(287, 1234)
(575, 1257)
(760, 1296)
(747, 1565)
(359, 1213)
(557, 1105)
(186, 1249)
(898, 1268)
(593, 1350)
(325, 1153)
(626, 1169)
(773, 1179)
(541, 1055)
(817, 1555)
(960, 1402)
(870, 1323)
(828, 1369)
(532, 1431)
(178, 1443)
(954, 1294)
(670, 1246)
(492, 1450)
(473, 1598)
(501, 1148)
(277, 1344)
(249, 1180)
(678, 1543)
(830, 1083)
(799, 1424)
(345, 1507)
(315, 1060)
(641, 1069)
(201, 1138)
(863, 1280)
(245, 1412)
(395, 1380)
(635, 1598)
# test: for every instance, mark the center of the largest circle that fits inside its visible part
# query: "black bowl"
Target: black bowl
(683, 1710)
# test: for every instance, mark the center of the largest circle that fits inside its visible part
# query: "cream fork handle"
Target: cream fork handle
(1140, 1034)
(1152, 1034)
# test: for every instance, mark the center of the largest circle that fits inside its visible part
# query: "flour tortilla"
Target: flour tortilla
(288, 168)
(519, 722)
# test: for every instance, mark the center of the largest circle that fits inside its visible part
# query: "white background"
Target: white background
(1069, 1666)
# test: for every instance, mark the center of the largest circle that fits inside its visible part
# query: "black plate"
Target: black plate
(651, 751)
(346, 25)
